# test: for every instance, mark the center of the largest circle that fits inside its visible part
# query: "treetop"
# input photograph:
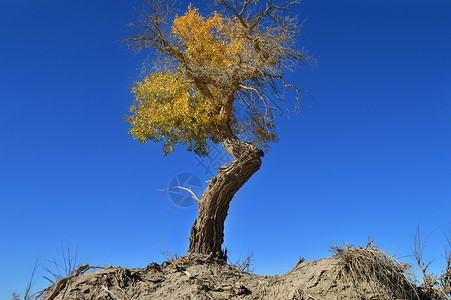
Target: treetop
(216, 75)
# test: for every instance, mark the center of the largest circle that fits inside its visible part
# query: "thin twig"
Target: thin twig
(109, 292)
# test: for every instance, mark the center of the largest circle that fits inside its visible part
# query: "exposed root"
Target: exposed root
(60, 284)
(353, 273)
(110, 293)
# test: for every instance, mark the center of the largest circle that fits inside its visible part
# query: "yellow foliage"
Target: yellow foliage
(214, 42)
(169, 108)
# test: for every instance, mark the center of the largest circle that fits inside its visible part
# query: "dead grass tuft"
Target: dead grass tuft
(434, 286)
(371, 270)
(244, 265)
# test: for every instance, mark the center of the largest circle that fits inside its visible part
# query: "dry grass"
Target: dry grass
(58, 271)
(436, 286)
(64, 268)
(244, 265)
(445, 278)
(371, 270)
(28, 295)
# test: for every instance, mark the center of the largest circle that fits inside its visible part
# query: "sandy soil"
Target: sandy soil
(200, 278)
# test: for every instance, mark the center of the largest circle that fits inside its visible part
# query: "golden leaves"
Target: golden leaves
(214, 42)
(171, 109)
(167, 107)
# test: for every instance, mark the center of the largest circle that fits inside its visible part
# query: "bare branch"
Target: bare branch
(258, 94)
(269, 9)
(178, 203)
(183, 188)
(238, 15)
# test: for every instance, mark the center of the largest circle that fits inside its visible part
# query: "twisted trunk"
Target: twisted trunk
(207, 233)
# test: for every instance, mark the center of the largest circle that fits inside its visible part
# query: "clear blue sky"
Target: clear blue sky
(371, 156)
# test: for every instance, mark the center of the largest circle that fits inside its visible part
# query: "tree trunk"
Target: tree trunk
(207, 232)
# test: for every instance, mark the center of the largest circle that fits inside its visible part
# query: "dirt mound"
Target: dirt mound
(352, 273)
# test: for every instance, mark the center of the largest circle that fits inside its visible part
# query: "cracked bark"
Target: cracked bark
(207, 232)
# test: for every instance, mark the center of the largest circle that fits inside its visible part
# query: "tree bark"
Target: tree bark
(207, 232)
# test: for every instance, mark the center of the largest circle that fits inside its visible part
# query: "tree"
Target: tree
(211, 83)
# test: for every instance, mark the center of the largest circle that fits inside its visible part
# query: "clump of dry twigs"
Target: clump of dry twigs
(371, 270)
(244, 265)
(59, 271)
(434, 285)
(66, 267)
(28, 294)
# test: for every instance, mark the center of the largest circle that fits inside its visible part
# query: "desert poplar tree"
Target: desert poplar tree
(214, 80)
